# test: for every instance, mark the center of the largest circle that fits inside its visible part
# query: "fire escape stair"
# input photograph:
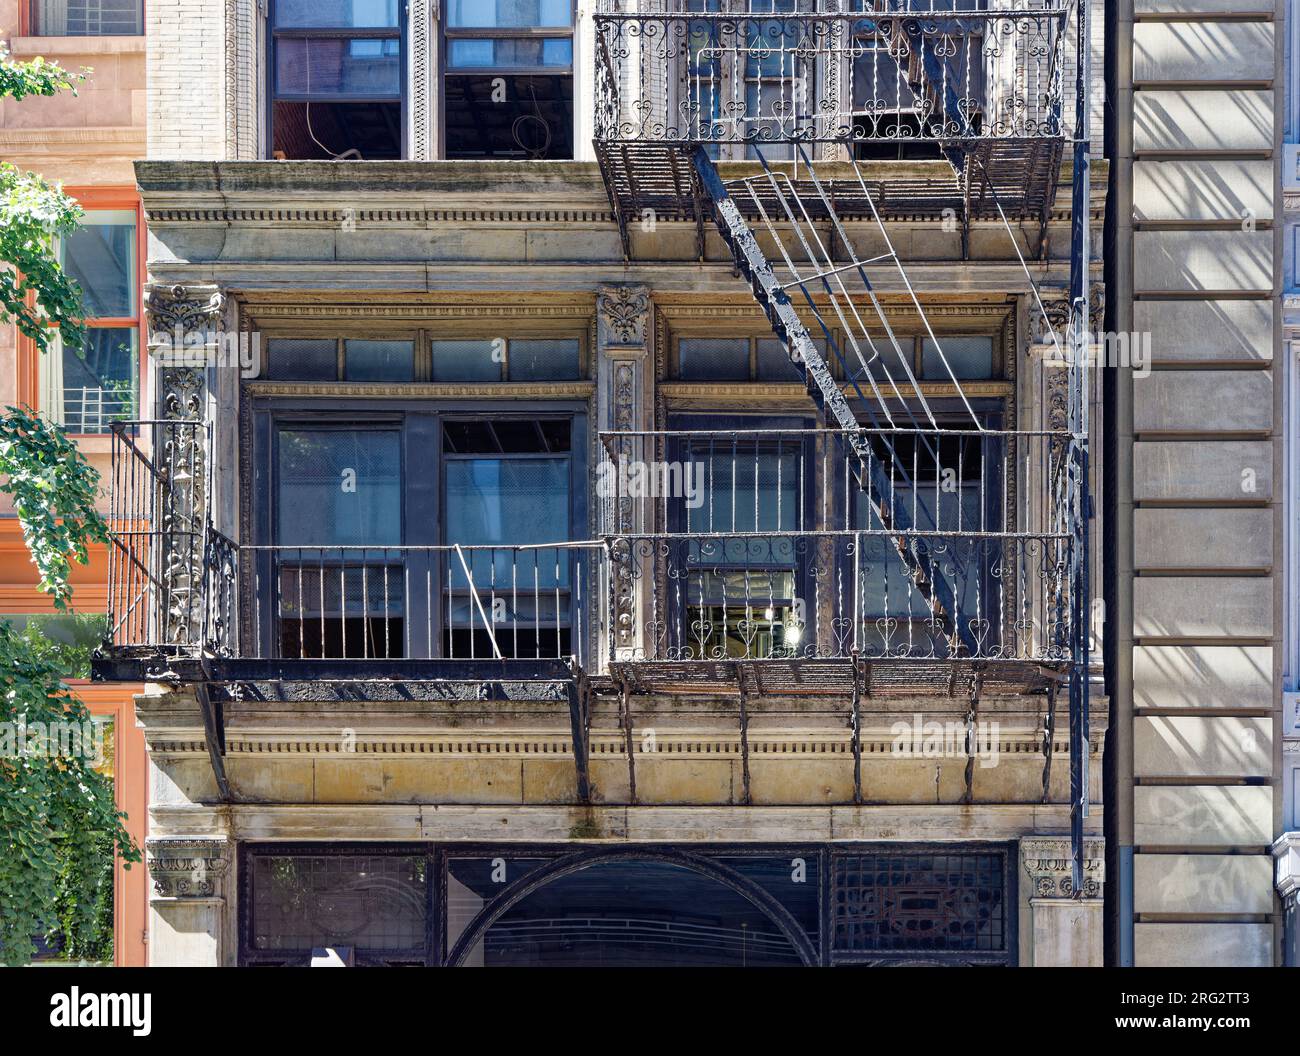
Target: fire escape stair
(831, 402)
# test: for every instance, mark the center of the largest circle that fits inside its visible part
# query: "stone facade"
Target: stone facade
(296, 248)
(1199, 510)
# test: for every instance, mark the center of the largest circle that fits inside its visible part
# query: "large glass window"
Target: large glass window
(508, 85)
(90, 387)
(337, 79)
(742, 574)
(507, 494)
(86, 18)
(338, 529)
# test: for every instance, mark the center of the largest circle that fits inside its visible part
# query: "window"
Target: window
(415, 532)
(743, 577)
(507, 485)
(888, 71)
(945, 485)
(86, 18)
(508, 81)
(338, 524)
(443, 359)
(88, 388)
(337, 74)
(737, 359)
(964, 358)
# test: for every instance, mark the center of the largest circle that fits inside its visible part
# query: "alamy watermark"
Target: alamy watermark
(920, 739)
(208, 347)
(1129, 350)
(634, 479)
(53, 740)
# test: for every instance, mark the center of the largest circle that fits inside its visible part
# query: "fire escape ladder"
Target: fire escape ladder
(874, 449)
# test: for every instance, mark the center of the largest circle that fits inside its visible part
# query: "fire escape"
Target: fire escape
(897, 548)
(809, 93)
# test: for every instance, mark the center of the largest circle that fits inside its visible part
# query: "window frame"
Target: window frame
(101, 199)
(273, 95)
(27, 24)
(420, 422)
(446, 34)
(422, 338)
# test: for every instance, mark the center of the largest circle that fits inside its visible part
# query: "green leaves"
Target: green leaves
(54, 491)
(59, 825)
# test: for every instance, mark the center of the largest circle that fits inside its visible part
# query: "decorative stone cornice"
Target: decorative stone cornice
(1048, 861)
(623, 314)
(187, 868)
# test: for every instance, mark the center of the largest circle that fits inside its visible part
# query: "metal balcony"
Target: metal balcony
(978, 83)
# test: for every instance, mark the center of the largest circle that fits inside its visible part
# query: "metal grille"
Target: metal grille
(364, 901)
(919, 903)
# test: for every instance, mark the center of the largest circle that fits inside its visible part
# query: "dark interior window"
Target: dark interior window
(508, 82)
(337, 79)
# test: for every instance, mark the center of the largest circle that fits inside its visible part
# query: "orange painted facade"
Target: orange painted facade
(86, 143)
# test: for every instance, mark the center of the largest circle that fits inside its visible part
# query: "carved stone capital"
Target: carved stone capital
(188, 868)
(622, 316)
(1048, 861)
(191, 311)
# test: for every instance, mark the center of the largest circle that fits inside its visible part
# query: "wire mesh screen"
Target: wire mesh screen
(919, 903)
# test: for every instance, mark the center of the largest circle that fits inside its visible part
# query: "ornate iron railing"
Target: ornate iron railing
(830, 71)
(781, 544)
(778, 544)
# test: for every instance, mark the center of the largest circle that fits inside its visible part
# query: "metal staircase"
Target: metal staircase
(874, 450)
(685, 88)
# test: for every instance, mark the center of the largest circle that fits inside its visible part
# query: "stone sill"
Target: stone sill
(54, 47)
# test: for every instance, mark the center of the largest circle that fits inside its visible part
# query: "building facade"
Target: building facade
(1199, 599)
(87, 143)
(508, 582)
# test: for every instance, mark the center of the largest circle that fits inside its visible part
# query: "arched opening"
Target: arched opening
(630, 911)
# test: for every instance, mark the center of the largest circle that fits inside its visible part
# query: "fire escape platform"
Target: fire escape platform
(832, 678)
(655, 179)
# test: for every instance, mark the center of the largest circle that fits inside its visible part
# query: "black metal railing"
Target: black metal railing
(740, 544)
(764, 544)
(817, 71)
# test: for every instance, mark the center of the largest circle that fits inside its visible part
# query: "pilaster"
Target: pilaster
(1065, 931)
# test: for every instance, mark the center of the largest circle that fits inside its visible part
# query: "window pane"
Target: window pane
(332, 66)
(370, 902)
(714, 358)
(303, 359)
(379, 360)
(86, 18)
(336, 14)
(544, 360)
(100, 255)
(510, 502)
(339, 487)
(467, 360)
(774, 363)
(509, 14)
(970, 358)
(468, 54)
(99, 380)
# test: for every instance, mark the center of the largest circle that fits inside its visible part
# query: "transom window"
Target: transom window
(415, 358)
(337, 79)
(508, 79)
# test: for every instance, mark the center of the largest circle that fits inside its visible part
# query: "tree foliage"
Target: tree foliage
(57, 812)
